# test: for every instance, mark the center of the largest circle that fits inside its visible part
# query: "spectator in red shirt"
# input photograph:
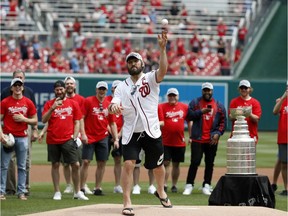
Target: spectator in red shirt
(96, 120)
(180, 47)
(237, 54)
(103, 8)
(127, 46)
(245, 100)
(281, 109)
(17, 111)
(221, 27)
(63, 116)
(13, 8)
(58, 47)
(195, 43)
(184, 11)
(117, 44)
(76, 26)
(209, 123)
(144, 10)
(4, 51)
(173, 115)
(156, 3)
(242, 32)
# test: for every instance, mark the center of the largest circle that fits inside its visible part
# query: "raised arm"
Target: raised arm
(279, 102)
(163, 62)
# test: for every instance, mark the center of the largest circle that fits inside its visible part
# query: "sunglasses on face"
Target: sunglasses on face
(172, 95)
(17, 84)
(243, 87)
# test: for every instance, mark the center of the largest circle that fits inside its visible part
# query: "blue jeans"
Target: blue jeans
(21, 148)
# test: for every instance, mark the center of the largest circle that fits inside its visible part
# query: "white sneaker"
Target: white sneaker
(118, 189)
(80, 196)
(151, 189)
(87, 189)
(188, 189)
(206, 189)
(57, 196)
(68, 189)
(136, 189)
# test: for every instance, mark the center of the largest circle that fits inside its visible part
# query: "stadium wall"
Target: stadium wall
(225, 88)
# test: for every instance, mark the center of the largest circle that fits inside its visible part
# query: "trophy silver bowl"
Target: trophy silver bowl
(240, 111)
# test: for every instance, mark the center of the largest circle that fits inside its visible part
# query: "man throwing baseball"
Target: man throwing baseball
(136, 98)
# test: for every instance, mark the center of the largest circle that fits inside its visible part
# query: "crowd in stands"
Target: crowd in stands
(200, 57)
(195, 56)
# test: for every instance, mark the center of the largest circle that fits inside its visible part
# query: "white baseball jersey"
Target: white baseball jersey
(140, 106)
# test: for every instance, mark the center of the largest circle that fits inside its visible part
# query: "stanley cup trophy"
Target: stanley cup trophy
(241, 186)
(241, 157)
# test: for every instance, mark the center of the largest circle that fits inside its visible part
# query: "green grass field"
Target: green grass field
(41, 198)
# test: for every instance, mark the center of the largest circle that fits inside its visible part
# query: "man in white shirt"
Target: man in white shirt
(136, 98)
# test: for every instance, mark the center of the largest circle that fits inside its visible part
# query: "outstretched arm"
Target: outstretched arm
(163, 62)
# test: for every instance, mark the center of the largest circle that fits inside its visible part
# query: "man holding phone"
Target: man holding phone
(209, 123)
(63, 117)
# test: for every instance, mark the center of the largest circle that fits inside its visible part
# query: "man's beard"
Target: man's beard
(61, 96)
(207, 97)
(134, 72)
(69, 91)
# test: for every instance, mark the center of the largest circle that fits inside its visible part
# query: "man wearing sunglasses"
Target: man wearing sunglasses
(245, 100)
(17, 111)
(32, 136)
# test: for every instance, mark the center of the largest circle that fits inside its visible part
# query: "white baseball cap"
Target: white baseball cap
(245, 83)
(16, 80)
(135, 55)
(69, 78)
(9, 139)
(207, 85)
(102, 84)
(172, 91)
(116, 83)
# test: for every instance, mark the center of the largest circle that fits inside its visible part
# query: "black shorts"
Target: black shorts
(154, 151)
(68, 150)
(176, 154)
(282, 153)
(100, 149)
(79, 157)
(115, 152)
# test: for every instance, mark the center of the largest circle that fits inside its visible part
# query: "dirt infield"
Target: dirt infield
(42, 173)
(144, 210)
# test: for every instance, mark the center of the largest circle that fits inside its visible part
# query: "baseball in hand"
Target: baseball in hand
(164, 22)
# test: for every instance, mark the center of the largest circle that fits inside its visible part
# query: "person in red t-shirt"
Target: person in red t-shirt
(96, 121)
(242, 32)
(221, 28)
(17, 111)
(116, 152)
(209, 123)
(245, 100)
(76, 25)
(173, 114)
(281, 109)
(63, 116)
